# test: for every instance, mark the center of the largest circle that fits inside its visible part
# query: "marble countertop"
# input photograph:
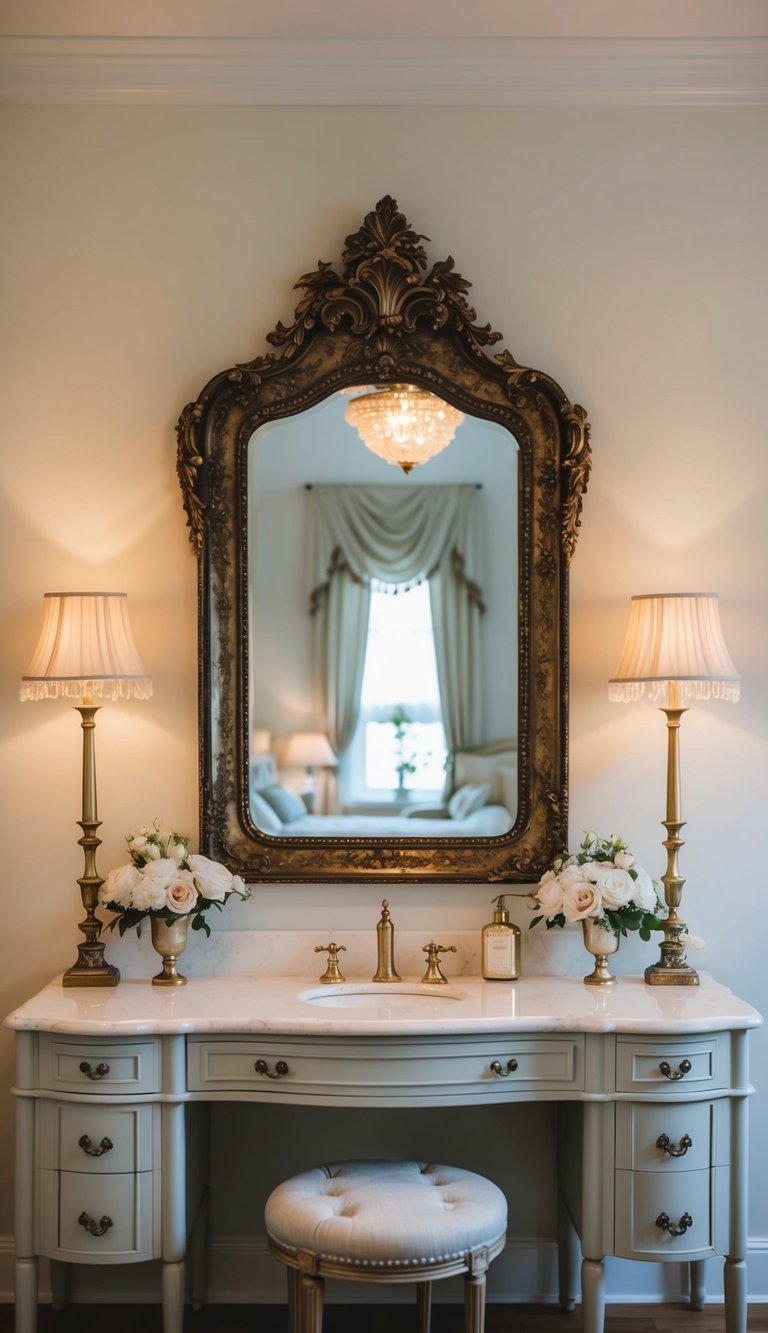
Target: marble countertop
(291, 1005)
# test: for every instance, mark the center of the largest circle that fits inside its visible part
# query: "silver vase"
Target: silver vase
(169, 941)
(601, 943)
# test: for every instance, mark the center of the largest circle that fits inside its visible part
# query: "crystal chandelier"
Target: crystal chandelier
(403, 425)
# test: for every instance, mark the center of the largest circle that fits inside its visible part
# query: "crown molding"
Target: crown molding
(145, 71)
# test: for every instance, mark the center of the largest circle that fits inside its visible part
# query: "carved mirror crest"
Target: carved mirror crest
(385, 318)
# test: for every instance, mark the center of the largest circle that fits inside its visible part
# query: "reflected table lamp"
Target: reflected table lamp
(674, 652)
(86, 652)
(310, 750)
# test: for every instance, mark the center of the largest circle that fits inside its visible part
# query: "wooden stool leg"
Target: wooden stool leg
(474, 1303)
(424, 1303)
(294, 1277)
(310, 1303)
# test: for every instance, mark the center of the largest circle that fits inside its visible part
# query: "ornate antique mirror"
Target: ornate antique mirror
(302, 535)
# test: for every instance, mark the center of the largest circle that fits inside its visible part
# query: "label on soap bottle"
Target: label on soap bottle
(499, 962)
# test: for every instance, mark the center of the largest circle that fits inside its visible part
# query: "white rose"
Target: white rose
(212, 879)
(550, 894)
(693, 941)
(150, 894)
(580, 900)
(138, 844)
(181, 894)
(616, 886)
(120, 885)
(571, 874)
(624, 860)
(239, 885)
(161, 871)
(643, 892)
(176, 849)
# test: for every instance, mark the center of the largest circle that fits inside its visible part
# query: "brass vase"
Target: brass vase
(169, 941)
(601, 943)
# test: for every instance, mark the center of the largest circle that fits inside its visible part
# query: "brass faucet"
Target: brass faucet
(434, 975)
(332, 973)
(385, 942)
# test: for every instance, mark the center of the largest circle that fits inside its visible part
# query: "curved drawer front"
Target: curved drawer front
(676, 1067)
(677, 1136)
(645, 1198)
(97, 1140)
(91, 1066)
(121, 1207)
(385, 1071)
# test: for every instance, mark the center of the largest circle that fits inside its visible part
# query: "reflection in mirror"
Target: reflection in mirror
(382, 621)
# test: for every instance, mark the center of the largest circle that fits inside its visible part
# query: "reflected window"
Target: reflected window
(399, 747)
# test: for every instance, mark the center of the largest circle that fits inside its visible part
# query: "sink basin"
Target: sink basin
(378, 995)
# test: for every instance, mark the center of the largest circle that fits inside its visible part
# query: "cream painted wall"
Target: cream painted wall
(621, 250)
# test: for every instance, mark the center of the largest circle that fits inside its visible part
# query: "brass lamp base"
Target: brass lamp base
(661, 974)
(93, 971)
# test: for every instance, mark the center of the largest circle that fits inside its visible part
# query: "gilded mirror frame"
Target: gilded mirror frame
(385, 317)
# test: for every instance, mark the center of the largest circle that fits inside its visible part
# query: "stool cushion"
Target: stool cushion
(384, 1214)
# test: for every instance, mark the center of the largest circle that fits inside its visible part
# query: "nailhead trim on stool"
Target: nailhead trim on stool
(385, 1221)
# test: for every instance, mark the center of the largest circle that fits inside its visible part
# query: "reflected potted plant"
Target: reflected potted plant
(404, 766)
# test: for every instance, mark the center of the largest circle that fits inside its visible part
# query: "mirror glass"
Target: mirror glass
(404, 760)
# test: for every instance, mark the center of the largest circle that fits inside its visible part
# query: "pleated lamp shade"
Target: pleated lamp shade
(675, 637)
(86, 650)
(309, 749)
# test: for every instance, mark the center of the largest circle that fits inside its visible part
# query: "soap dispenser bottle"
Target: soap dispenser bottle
(501, 945)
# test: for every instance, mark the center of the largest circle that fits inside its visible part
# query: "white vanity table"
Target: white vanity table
(652, 1084)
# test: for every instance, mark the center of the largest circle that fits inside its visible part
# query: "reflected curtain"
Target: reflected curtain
(395, 536)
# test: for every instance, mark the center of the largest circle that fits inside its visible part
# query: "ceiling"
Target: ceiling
(416, 52)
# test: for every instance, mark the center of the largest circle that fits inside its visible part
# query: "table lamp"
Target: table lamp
(86, 651)
(674, 652)
(310, 750)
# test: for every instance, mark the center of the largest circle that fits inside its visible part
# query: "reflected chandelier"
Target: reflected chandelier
(403, 425)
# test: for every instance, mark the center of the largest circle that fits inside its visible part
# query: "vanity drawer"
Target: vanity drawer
(385, 1071)
(93, 1066)
(114, 1138)
(644, 1197)
(123, 1204)
(639, 1126)
(678, 1067)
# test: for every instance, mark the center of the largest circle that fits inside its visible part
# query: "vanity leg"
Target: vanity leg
(593, 1295)
(735, 1285)
(698, 1283)
(26, 1295)
(59, 1284)
(568, 1255)
(172, 1290)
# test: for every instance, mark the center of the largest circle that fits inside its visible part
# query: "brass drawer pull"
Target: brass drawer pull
(84, 1142)
(496, 1068)
(664, 1224)
(664, 1143)
(675, 1074)
(95, 1228)
(281, 1068)
(95, 1074)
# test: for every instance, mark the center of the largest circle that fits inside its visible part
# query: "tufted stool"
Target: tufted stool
(385, 1222)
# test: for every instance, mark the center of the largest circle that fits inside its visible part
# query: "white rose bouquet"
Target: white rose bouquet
(601, 880)
(163, 879)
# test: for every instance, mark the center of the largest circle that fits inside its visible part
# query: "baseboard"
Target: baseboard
(242, 1271)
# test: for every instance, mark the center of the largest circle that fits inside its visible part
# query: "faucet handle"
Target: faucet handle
(333, 972)
(433, 975)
